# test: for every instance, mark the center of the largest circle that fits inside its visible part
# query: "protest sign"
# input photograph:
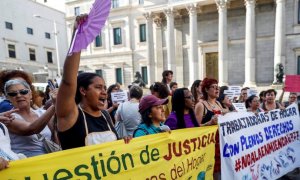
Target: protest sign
(292, 83)
(251, 92)
(181, 154)
(119, 97)
(236, 89)
(259, 146)
(240, 107)
(230, 94)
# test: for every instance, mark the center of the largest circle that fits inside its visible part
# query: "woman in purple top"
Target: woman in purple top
(183, 115)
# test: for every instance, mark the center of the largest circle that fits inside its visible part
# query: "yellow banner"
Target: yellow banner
(181, 154)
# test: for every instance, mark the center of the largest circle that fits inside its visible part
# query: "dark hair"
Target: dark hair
(83, 81)
(173, 84)
(249, 100)
(245, 88)
(145, 117)
(261, 94)
(161, 89)
(135, 92)
(178, 105)
(206, 83)
(270, 91)
(6, 75)
(223, 88)
(221, 98)
(195, 85)
(109, 90)
(165, 74)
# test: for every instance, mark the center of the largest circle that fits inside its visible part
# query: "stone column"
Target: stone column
(250, 44)
(223, 42)
(158, 48)
(193, 54)
(279, 49)
(150, 47)
(170, 40)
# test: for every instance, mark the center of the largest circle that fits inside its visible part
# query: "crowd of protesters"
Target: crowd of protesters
(81, 111)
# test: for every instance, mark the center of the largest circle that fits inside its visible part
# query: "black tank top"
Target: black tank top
(208, 115)
(75, 136)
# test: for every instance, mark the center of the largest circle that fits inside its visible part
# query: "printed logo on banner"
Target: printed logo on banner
(259, 146)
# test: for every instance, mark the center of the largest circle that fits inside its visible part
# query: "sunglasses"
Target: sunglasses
(22, 92)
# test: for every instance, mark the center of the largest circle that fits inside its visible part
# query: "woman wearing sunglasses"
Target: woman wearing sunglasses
(183, 115)
(27, 121)
(7, 75)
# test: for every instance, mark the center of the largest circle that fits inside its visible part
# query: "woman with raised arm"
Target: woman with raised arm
(81, 117)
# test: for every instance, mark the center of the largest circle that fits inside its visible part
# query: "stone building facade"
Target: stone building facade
(28, 38)
(238, 42)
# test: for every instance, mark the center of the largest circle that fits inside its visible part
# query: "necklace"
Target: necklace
(212, 106)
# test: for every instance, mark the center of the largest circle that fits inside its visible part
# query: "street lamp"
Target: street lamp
(55, 38)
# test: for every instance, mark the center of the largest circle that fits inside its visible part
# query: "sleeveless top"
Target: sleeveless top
(75, 136)
(29, 145)
(208, 115)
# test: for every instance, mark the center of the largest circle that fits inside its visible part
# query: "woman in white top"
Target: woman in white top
(28, 122)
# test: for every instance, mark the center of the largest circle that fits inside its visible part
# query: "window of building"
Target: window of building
(32, 54)
(145, 74)
(119, 75)
(49, 57)
(47, 35)
(142, 32)
(99, 72)
(11, 50)
(298, 66)
(299, 12)
(9, 25)
(117, 36)
(98, 41)
(115, 3)
(29, 31)
(77, 11)
(141, 1)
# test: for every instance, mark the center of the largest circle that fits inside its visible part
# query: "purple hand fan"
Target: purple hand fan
(87, 31)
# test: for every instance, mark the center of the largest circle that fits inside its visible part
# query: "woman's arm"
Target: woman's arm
(66, 108)
(199, 110)
(24, 128)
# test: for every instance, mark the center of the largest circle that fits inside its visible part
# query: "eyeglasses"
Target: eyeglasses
(190, 97)
(214, 87)
(22, 92)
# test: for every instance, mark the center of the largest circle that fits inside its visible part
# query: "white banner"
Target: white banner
(263, 146)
